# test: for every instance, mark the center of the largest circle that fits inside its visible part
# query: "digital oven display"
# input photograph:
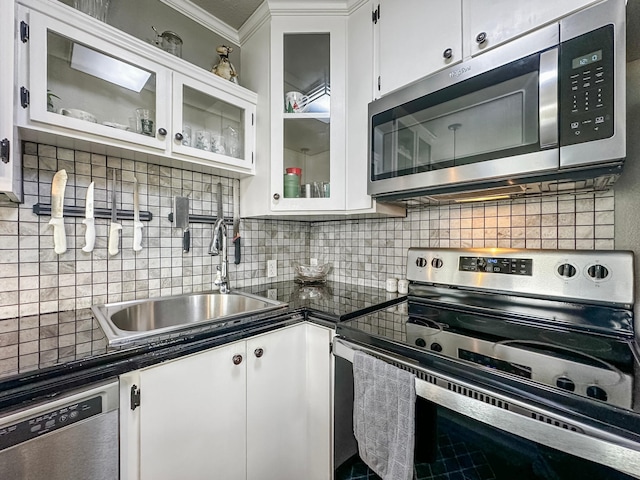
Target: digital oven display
(592, 57)
(510, 266)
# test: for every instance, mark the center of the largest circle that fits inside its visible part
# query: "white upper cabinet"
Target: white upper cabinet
(415, 38)
(488, 23)
(84, 79)
(10, 165)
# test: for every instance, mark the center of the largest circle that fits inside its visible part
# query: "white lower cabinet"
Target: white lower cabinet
(253, 409)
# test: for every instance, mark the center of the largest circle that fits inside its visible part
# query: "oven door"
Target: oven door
(497, 118)
(484, 434)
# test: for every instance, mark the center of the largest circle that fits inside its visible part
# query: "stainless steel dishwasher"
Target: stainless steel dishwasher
(74, 437)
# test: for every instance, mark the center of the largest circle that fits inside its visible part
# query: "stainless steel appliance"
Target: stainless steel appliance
(548, 107)
(529, 356)
(74, 437)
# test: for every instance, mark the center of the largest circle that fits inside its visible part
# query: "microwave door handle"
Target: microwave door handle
(548, 98)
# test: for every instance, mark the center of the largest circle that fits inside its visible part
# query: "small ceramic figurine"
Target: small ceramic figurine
(224, 68)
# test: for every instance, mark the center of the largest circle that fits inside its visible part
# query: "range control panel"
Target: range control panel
(601, 276)
(510, 266)
(586, 87)
(49, 421)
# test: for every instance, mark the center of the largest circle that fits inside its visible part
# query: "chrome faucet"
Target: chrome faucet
(218, 246)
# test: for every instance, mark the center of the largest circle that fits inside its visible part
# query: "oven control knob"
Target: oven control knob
(421, 262)
(421, 343)
(567, 270)
(565, 384)
(436, 347)
(597, 392)
(598, 272)
(436, 263)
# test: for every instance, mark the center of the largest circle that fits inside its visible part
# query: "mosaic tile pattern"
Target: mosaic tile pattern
(366, 252)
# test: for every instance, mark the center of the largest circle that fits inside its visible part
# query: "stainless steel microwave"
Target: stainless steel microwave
(546, 107)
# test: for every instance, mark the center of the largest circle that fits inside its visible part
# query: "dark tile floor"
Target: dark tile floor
(455, 461)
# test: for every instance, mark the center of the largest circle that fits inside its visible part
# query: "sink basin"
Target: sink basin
(128, 322)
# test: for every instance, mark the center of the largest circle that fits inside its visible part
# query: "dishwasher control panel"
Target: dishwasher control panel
(49, 421)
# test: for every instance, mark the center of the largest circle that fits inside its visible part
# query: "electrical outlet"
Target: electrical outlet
(272, 293)
(272, 269)
(313, 261)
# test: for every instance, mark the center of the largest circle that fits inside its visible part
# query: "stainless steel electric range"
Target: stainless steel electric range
(530, 352)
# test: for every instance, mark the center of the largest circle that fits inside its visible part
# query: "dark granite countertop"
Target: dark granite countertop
(72, 348)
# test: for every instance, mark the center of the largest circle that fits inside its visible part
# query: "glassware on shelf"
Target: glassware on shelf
(186, 135)
(203, 140)
(169, 42)
(232, 142)
(144, 121)
(95, 8)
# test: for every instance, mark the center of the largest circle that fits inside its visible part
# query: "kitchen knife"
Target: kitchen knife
(137, 224)
(181, 219)
(90, 232)
(115, 227)
(236, 222)
(57, 205)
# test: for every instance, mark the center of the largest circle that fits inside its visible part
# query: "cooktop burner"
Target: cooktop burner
(569, 329)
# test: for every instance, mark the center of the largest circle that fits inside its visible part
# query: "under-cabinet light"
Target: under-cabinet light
(108, 68)
(482, 199)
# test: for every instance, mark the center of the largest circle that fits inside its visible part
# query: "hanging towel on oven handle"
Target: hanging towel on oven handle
(384, 416)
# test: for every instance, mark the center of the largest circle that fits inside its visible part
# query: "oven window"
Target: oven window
(468, 449)
(493, 115)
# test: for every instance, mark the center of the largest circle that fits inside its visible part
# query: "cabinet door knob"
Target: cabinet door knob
(481, 38)
(162, 131)
(179, 136)
(237, 359)
(448, 53)
(258, 352)
(276, 196)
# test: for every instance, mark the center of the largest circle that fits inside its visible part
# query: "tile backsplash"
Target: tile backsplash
(36, 281)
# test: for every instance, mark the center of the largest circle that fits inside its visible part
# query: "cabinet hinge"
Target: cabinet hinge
(24, 97)
(375, 15)
(252, 119)
(135, 397)
(5, 150)
(251, 158)
(24, 31)
(330, 348)
(378, 82)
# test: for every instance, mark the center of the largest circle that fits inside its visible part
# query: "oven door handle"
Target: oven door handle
(512, 415)
(548, 98)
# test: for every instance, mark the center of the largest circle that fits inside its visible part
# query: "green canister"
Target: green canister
(291, 185)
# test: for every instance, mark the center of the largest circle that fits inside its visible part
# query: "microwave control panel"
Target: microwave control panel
(586, 87)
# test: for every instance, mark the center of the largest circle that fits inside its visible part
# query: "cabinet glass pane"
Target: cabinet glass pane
(93, 86)
(306, 148)
(307, 107)
(211, 124)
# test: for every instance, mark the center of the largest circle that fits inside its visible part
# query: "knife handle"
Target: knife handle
(59, 236)
(137, 236)
(114, 238)
(236, 252)
(89, 235)
(186, 241)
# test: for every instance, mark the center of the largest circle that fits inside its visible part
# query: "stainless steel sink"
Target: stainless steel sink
(129, 322)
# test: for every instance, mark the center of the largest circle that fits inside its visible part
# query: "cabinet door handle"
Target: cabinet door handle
(448, 53)
(481, 38)
(276, 196)
(179, 136)
(258, 352)
(162, 131)
(237, 359)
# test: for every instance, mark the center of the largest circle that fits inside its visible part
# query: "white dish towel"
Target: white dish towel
(384, 406)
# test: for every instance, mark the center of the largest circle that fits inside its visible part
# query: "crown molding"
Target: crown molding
(204, 18)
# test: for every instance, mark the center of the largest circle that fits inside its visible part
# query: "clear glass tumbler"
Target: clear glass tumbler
(95, 8)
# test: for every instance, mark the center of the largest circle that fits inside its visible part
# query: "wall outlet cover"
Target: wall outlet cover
(272, 294)
(272, 269)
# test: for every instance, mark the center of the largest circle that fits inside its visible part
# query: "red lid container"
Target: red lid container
(294, 170)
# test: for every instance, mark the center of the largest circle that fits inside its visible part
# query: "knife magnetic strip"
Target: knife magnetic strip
(73, 211)
(203, 219)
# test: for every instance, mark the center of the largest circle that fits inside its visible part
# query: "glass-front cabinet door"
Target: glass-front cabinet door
(308, 141)
(212, 124)
(80, 82)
